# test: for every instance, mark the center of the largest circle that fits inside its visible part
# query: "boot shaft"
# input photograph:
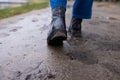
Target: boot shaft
(58, 18)
(58, 12)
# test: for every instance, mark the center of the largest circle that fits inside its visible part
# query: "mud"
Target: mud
(4, 35)
(25, 55)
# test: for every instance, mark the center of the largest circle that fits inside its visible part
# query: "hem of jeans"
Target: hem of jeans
(82, 17)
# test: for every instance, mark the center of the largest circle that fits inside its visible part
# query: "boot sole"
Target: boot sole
(57, 38)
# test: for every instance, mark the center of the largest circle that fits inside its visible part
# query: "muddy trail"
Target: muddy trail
(25, 55)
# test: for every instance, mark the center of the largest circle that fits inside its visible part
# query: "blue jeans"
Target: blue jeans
(81, 9)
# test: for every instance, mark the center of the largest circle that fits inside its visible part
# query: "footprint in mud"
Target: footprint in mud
(106, 22)
(99, 22)
(84, 57)
(102, 43)
(2, 35)
(91, 37)
(102, 5)
(115, 69)
(109, 46)
(94, 22)
(15, 29)
(99, 43)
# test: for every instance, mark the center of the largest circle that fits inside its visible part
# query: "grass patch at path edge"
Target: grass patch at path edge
(8, 12)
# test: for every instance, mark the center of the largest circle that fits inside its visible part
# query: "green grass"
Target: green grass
(8, 12)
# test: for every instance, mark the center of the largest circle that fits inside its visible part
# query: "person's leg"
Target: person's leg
(58, 3)
(57, 32)
(82, 9)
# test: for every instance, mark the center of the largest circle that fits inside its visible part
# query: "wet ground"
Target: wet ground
(25, 55)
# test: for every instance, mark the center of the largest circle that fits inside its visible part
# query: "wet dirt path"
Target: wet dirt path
(25, 55)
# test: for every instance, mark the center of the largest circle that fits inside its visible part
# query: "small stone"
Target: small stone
(28, 77)
(51, 76)
(113, 18)
(18, 73)
(13, 30)
(12, 47)
(72, 58)
(35, 20)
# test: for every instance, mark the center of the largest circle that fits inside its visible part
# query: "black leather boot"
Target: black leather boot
(75, 27)
(57, 32)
